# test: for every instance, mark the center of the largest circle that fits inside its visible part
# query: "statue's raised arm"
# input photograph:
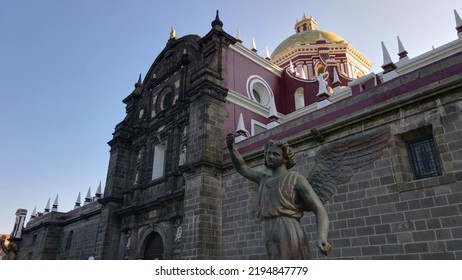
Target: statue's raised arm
(335, 162)
(238, 161)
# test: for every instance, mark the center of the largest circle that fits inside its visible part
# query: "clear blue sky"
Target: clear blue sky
(65, 67)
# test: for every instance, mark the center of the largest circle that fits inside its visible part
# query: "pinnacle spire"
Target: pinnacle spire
(401, 50)
(47, 207)
(388, 64)
(55, 205)
(98, 193)
(291, 67)
(34, 213)
(322, 90)
(139, 82)
(241, 132)
(458, 24)
(268, 56)
(217, 23)
(254, 45)
(273, 116)
(238, 36)
(273, 113)
(336, 81)
(77, 202)
(386, 55)
(240, 123)
(88, 198)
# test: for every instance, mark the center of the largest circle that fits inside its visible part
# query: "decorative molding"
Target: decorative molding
(239, 48)
(247, 103)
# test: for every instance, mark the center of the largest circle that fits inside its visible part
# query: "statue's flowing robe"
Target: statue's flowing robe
(280, 207)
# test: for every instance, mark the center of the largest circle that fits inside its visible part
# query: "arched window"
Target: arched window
(154, 248)
(299, 98)
(167, 100)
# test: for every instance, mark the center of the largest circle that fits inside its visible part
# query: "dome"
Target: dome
(309, 36)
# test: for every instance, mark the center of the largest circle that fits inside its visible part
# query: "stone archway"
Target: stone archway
(154, 249)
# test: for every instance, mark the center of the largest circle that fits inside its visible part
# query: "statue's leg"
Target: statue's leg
(271, 239)
(292, 241)
(285, 239)
(272, 250)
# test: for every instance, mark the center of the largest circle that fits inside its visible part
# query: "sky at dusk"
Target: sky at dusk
(66, 66)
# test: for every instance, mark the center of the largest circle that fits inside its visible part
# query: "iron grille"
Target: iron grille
(424, 158)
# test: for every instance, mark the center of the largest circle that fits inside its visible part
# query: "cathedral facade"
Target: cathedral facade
(172, 193)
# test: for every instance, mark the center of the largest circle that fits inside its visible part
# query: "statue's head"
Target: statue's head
(287, 152)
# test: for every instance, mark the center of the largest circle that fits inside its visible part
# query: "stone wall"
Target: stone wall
(384, 212)
(78, 239)
(48, 237)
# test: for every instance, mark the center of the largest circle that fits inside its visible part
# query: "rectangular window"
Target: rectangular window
(424, 158)
(158, 167)
(69, 239)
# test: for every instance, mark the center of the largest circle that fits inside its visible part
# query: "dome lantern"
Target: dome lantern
(305, 24)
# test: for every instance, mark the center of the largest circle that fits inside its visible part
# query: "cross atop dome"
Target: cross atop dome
(307, 23)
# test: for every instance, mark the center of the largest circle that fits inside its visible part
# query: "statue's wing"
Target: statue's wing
(335, 162)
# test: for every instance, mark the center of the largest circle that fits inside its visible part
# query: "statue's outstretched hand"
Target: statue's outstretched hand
(230, 140)
(324, 246)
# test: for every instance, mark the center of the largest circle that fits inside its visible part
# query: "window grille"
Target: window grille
(424, 158)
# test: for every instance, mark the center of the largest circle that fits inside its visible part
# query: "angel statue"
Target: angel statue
(284, 195)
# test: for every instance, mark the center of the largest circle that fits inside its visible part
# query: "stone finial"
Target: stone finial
(238, 36)
(217, 23)
(336, 82)
(254, 45)
(241, 132)
(240, 124)
(55, 205)
(388, 64)
(322, 90)
(291, 67)
(139, 82)
(320, 37)
(458, 24)
(268, 56)
(273, 116)
(386, 55)
(88, 198)
(77, 202)
(98, 193)
(172, 33)
(34, 213)
(273, 113)
(47, 207)
(401, 50)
